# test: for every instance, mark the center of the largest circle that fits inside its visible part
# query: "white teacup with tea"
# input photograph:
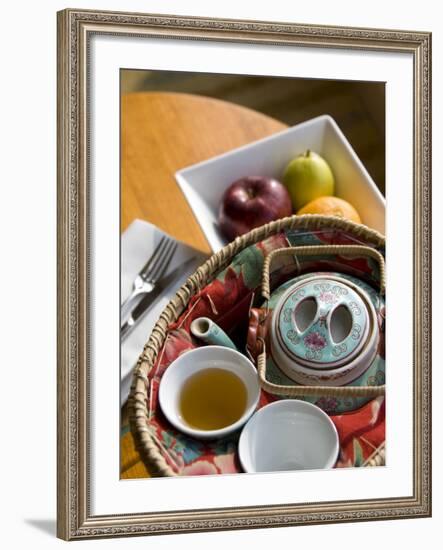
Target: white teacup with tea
(209, 392)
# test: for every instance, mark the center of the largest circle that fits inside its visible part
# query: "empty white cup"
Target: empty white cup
(288, 435)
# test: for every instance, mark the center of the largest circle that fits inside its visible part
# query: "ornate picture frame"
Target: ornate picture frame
(75, 30)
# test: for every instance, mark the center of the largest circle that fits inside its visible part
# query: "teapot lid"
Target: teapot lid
(322, 322)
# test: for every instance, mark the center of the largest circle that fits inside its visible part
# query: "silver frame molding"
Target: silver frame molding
(75, 28)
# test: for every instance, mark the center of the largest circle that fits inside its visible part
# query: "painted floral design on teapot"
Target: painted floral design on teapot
(333, 306)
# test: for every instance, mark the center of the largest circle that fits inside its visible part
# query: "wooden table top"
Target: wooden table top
(165, 132)
(160, 134)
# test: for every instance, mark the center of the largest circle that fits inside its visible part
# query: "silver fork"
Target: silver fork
(151, 272)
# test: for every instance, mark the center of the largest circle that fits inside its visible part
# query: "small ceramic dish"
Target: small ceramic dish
(288, 435)
(190, 363)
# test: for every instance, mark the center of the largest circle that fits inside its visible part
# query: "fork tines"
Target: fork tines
(159, 261)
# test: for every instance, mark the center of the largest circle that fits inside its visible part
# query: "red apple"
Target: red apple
(250, 202)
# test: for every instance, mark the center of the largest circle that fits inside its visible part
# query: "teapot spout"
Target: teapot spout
(208, 331)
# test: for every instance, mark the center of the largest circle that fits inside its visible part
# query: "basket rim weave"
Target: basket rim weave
(138, 413)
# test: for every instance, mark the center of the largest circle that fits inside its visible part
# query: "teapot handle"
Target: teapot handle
(312, 250)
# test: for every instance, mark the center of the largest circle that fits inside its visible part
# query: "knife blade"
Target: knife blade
(143, 306)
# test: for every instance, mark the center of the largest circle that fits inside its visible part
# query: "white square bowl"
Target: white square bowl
(203, 184)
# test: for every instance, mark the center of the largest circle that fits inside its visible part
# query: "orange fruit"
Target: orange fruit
(331, 206)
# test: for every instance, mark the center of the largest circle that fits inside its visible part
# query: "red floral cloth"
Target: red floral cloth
(227, 300)
(360, 432)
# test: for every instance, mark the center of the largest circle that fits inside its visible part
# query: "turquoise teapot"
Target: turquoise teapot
(319, 336)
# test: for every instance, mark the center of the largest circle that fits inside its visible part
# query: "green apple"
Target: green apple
(307, 177)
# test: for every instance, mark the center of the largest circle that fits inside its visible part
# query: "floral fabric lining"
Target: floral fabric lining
(227, 300)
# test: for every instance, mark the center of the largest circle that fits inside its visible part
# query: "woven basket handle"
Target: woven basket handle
(319, 391)
(342, 249)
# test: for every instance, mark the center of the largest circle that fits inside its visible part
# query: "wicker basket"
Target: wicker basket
(138, 413)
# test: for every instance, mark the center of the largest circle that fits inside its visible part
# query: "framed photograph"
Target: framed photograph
(244, 291)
